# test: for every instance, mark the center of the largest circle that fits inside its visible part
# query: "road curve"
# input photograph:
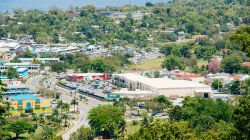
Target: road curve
(84, 108)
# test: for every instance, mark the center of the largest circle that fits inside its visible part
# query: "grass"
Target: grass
(131, 129)
(148, 65)
(202, 63)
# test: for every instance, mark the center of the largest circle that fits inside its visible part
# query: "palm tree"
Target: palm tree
(41, 118)
(65, 116)
(122, 129)
(74, 102)
(55, 116)
(35, 118)
(59, 103)
(49, 118)
(65, 107)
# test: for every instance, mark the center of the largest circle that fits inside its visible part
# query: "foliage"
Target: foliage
(241, 116)
(106, 120)
(231, 63)
(204, 52)
(172, 62)
(19, 127)
(217, 84)
(162, 129)
(234, 87)
(245, 87)
(59, 66)
(83, 134)
(47, 133)
(11, 73)
(242, 37)
(213, 66)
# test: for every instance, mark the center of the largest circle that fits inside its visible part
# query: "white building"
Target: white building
(42, 60)
(162, 86)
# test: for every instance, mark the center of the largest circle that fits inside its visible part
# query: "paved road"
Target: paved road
(84, 108)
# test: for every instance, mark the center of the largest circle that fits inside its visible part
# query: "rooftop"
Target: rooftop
(162, 83)
(23, 97)
(39, 59)
(247, 64)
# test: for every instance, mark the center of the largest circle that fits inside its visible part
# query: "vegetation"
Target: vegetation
(200, 119)
(106, 120)
(11, 73)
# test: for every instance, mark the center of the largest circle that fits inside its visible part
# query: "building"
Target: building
(197, 37)
(42, 60)
(30, 66)
(22, 73)
(23, 100)
(23, 103)
(124, 92)
(162, 86)
(246, 64)
(86, 76)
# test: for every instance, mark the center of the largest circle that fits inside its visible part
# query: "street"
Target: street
(81, 119)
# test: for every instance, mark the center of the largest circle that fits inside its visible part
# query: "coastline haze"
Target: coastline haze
(9, 5)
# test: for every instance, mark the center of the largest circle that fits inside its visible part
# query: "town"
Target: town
(113, 73)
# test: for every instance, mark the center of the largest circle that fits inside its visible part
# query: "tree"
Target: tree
(106, 120)
(175, 114)
(204, 52)
(213, 66)
(47, 133)
(156, 74)
(100, 65)
(163, 100)
(3, 32)
(242, 37)
(241, 116)
(172, 62)
(246, 87)
(42, 37)
(163, 129)
(19, 127)
(4, 106)
(217, 84)
(11, 73)
(65, 107)
(231, 63)
(221, 130)
(65, 116)
(234, 87)
(83, 134)
(58, 67)
(74, 102)
(149, 4)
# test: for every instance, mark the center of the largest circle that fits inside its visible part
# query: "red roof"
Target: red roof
(235, 77)
(246, 64)
(188, 76)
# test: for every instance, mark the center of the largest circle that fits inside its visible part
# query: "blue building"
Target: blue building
(22, 73)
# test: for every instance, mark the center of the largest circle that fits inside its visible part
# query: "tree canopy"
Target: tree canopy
(106, 120)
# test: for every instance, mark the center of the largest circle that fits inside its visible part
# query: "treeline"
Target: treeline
(200, 119)
(80, 62)
(232, 48)
(192, 17)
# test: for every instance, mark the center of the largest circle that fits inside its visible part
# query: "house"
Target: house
(246, 64)
(197, 37)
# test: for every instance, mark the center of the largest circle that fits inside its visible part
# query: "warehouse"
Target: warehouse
(162, 86)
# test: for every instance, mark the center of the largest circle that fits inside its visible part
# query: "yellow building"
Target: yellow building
(23, 103)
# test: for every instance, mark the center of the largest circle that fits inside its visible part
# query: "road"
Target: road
(81, 119)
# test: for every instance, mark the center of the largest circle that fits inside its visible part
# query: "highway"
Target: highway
(81, 119)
